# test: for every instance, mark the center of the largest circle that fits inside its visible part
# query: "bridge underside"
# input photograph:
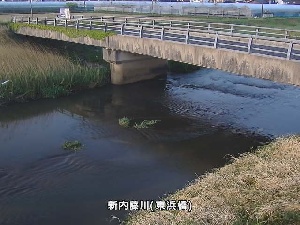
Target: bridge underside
(128, 68)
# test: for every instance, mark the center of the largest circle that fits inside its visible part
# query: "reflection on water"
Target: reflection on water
(202, 122)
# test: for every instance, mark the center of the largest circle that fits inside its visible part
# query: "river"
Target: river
(205, 117)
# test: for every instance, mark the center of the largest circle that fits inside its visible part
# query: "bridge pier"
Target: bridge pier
(129, 67)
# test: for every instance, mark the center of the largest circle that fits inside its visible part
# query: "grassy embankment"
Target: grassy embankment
(257, 188)
(34, 71)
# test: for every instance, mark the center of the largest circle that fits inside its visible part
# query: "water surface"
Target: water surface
(205, 117)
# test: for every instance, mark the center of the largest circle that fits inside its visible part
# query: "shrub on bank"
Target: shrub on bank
(34, 72)
(257, 188)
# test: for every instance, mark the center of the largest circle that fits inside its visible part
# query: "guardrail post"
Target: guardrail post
(153, 23)
(77, 24)
(290, 50)
(188, 25)
(139, 22)
(101, 19)
(250, 44)
(286, 34)
(125, 21)
(91, 24)
(105, 27)
(170, 23)
(66, 22)
(257, 32)
(141, 32)
(28, 20)
(122, 29)
(187, 36)
(54, 22)
(37, 20)
(208, 27)
(231, 29)
(45, 21)
(216, 40)
(162, 33)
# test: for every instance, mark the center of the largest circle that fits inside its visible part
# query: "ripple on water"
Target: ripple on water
(40, 175)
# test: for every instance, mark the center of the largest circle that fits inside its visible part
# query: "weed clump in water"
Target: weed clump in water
(124, 122)
(145, 124)
(72, 145)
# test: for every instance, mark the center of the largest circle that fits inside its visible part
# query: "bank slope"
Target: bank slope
(257, 188)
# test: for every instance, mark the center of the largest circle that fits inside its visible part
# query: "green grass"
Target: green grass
(72, 145)
(70, 32)
(36, 72)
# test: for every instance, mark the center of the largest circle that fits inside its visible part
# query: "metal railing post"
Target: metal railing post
(77, 24)
(162, 33)
(54, 22)
(105, 27)
(122, 28)
(208, 27)
(187, 36)
(257, 32)
(37, 20)
(170, 23)
(250, 44)
(141, 32)
(290, 50)
(153, 23)
(188, 25)
(28, 20)
(125, 21)
(231, 30)
(45, 21)
(91, 24)
(216, 40)
(286, 34)
(66, 22)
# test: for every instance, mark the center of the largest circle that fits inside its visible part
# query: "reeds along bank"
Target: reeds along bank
(32, 71)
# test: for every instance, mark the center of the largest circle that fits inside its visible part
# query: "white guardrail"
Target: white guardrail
(248, 39)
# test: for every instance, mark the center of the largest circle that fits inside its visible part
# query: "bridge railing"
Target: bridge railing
(252, 44)
(198, 25)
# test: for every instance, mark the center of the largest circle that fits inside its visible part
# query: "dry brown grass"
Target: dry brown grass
(34, 71)
(257, 188)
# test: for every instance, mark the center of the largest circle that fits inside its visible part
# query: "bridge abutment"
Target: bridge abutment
(129, 67)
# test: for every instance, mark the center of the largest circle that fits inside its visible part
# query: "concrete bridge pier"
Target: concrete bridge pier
(129, 67)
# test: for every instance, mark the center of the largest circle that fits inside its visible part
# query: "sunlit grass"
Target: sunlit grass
(260, 188)
(34, 72)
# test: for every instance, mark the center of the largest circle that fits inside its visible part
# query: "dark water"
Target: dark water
(204, 117)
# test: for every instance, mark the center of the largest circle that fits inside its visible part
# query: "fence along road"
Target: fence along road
(249, 39)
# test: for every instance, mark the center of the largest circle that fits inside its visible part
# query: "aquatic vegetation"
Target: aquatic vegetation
(124, 122)
(37, 72)
(72, 145)
(145, 124)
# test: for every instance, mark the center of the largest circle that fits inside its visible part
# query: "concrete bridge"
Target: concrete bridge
(140, 49)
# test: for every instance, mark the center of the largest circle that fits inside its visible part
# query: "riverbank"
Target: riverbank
(32, 70)
(257, 188)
